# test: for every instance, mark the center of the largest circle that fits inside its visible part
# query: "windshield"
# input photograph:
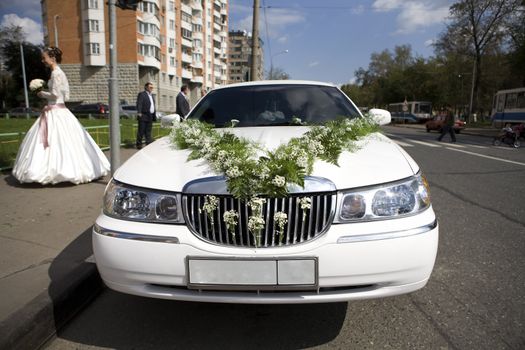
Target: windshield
(271, 105)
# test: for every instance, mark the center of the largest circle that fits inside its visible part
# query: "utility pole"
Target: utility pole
(24, 74)
(114, 122)
(255, 40)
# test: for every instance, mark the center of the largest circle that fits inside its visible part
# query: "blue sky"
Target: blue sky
(326, 40)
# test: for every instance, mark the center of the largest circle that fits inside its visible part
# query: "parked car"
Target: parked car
(95, 109)
(23, 111)
(437, 122)
(369, 230)
(128, 111)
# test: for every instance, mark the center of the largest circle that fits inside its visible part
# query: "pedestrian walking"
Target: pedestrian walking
(448, 126)
(57, 148)
(145, 115)
(183, 106)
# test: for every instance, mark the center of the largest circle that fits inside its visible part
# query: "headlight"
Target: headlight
(135, 203)
(383, 202)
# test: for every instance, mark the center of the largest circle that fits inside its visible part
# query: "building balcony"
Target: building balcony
(196, 5)
(197, 50)
(197, 64)
(171, 70)
(217, 50)
(186, 73)
(224, 12)
(216, 37)
(186, 25)
(197, 79)
(186, 58)
(149, 61)
(197, 35)
(223, 33)
(185, 8)
(217, 27)
(196, 20)
(186, 42)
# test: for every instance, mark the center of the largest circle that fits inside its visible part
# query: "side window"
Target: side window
(501, 102)
(510, 103)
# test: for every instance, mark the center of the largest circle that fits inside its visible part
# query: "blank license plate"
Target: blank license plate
(246, 273)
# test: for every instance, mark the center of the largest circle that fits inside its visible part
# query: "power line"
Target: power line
(266, 25)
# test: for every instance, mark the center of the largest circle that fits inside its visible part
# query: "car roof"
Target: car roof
(276, 82)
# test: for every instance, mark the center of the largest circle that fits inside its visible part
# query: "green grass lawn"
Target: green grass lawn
(98, 129)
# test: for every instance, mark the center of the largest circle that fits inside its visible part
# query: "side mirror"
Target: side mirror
(167, 121)
(381, 116)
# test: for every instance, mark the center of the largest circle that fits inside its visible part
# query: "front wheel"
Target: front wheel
(496, 142)
(516, 144)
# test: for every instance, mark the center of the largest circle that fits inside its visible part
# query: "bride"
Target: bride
(57, 148)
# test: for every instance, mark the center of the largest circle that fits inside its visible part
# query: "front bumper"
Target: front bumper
(356, 261)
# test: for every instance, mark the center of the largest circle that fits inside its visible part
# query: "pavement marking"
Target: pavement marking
(455, 145)
(477, 146)
(425, 143)
(403, 144)
(484, 156)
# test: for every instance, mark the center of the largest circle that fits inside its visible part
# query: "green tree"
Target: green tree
(277, 73)
(476, 29)
(12, 85)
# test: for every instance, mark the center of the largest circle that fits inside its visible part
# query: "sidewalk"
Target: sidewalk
(45, 240)
(485, 132)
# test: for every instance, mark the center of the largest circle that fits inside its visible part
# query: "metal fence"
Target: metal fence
(10, 142)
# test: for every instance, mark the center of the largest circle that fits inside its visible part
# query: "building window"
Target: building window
(172, 24)
(186, 33)
(93, 48)
(172, 61)
(171, 6)
(92, 4)
(172, 43)
(93, 25)
(171, 102)
(149, 50)
(185, 17)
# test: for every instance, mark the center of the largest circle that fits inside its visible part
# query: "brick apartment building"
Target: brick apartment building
(167, 42)
(240, 57)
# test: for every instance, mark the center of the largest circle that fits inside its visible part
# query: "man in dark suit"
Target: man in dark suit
(183, 106)
(145, 114)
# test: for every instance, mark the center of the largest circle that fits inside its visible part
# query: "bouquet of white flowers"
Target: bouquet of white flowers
(37, 85)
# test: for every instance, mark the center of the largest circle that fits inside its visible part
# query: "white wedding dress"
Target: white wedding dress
(57, 148)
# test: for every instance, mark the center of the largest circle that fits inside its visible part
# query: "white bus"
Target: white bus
(411, 111)
(508, 107)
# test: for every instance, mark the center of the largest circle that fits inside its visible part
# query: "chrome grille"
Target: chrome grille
(299, 228)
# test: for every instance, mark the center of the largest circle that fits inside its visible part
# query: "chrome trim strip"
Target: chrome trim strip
(135, 236)
(388, 235)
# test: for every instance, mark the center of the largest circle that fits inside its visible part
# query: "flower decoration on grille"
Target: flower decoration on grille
(280, 220)
(210, 205)
(231, 218)
(306, 204)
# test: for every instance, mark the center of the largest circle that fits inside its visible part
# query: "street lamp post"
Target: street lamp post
(271, 61)
(24, 75)
(56, 30)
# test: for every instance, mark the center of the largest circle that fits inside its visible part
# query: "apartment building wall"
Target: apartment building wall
(151, 47)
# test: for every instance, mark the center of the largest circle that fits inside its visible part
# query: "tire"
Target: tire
(496, 142)
(516, 144)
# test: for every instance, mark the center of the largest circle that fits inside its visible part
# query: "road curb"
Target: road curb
(39, 320)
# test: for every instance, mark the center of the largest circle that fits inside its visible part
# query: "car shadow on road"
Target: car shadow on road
(120, 321)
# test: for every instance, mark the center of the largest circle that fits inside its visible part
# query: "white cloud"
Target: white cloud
(283, 39)
(313, 64)
(430, 42)
(358, 10)
(278, 20)
(414, 15)
(32, 29)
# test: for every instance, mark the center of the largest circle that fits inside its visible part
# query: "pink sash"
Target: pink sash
(43, 122)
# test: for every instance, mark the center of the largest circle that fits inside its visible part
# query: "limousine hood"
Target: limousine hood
(161, 166)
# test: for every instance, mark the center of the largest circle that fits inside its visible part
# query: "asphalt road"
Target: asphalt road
(474, 300)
